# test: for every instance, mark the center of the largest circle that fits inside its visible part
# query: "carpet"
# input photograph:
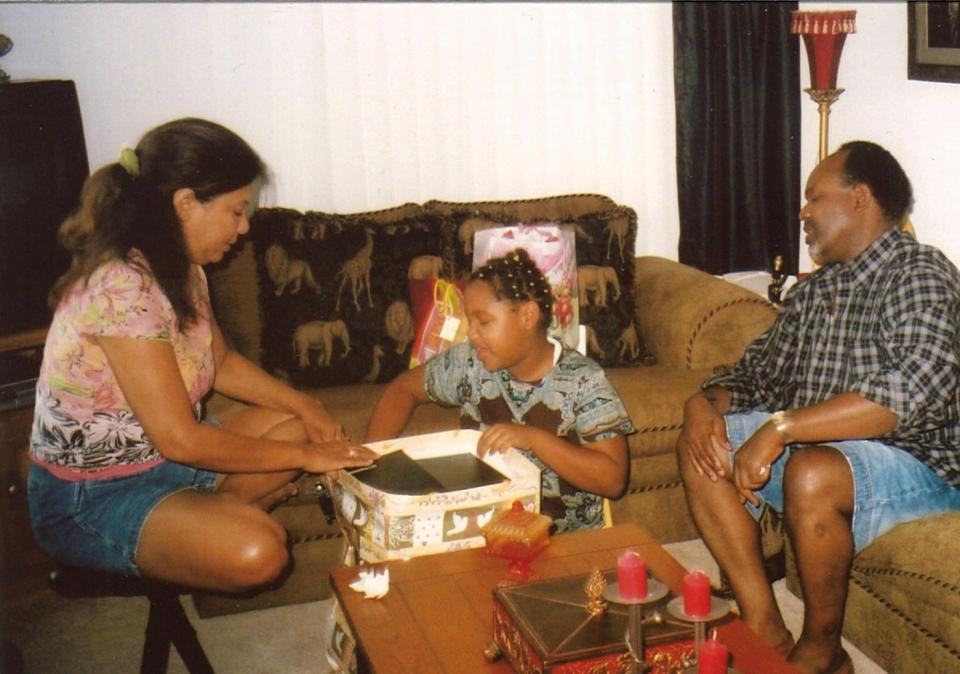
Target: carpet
(90, 636)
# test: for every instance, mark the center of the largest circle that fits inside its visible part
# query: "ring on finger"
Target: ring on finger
(763, 470)
(351, 452)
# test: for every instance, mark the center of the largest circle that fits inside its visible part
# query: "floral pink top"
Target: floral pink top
(83, 427)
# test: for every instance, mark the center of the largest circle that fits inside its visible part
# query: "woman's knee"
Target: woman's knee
(290, 429)
(259, 560)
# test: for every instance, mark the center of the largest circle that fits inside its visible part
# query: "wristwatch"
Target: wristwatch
(779, 419)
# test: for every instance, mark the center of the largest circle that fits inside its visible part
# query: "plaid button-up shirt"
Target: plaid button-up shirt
(886, 326)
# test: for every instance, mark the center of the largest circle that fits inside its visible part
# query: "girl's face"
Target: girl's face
(500, 330)
(212, 227)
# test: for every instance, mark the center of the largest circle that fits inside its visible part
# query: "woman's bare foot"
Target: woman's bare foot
(276, 497)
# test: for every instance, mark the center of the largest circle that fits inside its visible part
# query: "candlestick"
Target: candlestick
(696, 594)
(632, 575)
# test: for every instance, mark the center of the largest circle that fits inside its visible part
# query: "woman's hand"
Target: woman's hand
(327, 457)
(501, 437)
(751, 464)
(704, 439)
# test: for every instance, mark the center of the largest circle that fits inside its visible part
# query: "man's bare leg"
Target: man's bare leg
(733, 538)
(818, 500)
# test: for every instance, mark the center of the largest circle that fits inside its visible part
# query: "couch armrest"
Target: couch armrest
(691, 319)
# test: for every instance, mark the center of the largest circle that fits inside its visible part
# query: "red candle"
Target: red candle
(696, 594)
(713, 658)
(631, 575)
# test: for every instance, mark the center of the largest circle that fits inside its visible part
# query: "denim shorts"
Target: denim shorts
(97, 523)
(890, 485)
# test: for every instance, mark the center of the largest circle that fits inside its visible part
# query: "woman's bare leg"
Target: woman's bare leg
(225, 540)
(265, 490)
(212, 541)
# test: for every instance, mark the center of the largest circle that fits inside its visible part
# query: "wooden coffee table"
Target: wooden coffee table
(438, 615)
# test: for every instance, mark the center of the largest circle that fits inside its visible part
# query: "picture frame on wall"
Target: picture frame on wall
(934, 41)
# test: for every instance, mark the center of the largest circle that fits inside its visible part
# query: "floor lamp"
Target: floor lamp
(823, 35)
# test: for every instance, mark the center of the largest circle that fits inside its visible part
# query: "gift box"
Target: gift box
(546, 627)
(431, 494)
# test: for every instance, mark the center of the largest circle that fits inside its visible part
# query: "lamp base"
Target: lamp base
(824, 98)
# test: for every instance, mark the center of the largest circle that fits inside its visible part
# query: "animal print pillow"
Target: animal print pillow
(333, 293)
(605, 257)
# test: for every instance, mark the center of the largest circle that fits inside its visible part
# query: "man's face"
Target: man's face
(829, 215)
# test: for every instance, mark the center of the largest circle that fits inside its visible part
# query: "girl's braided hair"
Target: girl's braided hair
(516, 277)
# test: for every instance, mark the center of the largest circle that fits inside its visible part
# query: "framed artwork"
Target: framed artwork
(934, 44)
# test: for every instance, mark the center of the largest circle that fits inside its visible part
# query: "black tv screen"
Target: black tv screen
(43, 163)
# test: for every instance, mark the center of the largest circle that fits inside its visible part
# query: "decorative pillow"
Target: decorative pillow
(605, 251)
(334, 294)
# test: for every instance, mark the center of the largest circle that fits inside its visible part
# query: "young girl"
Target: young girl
(526, 391)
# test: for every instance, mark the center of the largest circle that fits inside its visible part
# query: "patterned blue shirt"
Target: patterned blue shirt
(886, 326)
(574, 400)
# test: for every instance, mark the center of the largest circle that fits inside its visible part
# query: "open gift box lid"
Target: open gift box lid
(545, 626)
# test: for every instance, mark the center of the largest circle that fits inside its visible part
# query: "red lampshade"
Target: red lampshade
(824, 34)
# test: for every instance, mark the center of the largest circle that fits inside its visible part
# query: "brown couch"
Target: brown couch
(905, 594)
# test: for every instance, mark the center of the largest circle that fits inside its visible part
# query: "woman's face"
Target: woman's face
(211, 227)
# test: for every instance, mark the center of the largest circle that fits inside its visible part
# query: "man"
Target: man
(844, 415)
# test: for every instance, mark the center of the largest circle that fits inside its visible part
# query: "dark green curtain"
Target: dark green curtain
(736, 68)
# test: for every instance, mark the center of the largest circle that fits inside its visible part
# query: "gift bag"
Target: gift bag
(439, 316)
(553, 248)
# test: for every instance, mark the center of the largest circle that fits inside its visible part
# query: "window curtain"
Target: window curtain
(737, 89)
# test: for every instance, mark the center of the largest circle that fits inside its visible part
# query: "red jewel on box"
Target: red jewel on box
(696, 594)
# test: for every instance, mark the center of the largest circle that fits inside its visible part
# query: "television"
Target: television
(43, 163)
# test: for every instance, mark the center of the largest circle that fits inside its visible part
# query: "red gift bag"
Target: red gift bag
(439, 316)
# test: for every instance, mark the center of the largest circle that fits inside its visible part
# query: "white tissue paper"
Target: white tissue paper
(374, 584)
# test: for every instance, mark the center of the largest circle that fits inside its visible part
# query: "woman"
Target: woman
(125, 477)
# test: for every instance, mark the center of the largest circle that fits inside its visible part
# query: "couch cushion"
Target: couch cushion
(913, 571)
(604, 245)
(334, 295)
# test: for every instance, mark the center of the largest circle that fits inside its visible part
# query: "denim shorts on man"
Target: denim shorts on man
(890, 485)
(97, 523)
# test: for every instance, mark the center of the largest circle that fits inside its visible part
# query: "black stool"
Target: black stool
(167, 624)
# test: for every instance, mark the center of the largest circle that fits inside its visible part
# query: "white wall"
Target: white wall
(364, 106)
(917, 121)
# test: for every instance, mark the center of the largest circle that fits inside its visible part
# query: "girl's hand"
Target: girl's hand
(501, 437)
(331, 456)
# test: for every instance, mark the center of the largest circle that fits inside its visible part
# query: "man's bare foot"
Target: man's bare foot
(840, 663)
(785, 645)
(277, 496)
